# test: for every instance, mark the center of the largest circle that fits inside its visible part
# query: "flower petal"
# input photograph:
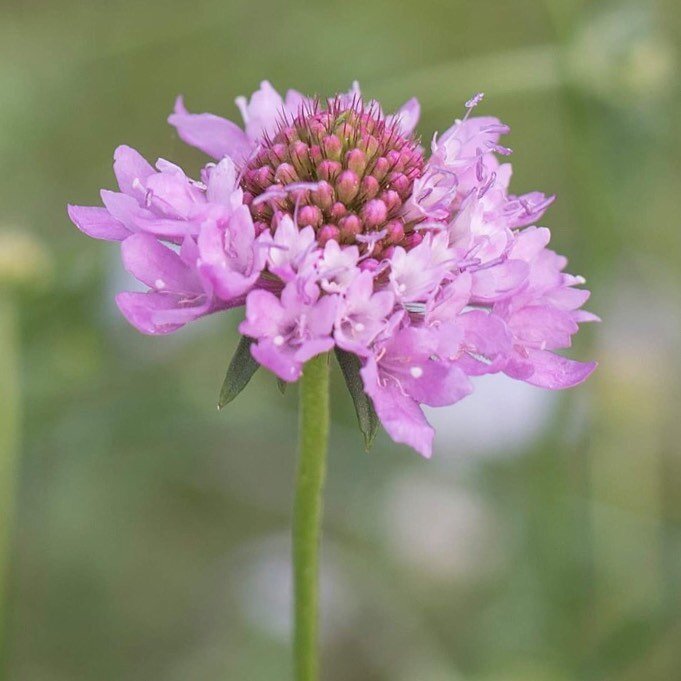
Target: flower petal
(555, 372)
(156, 313)
(158, 266)
(212, 134)
(130, 166)
(407, 117)
(399, 414)
(97, 222)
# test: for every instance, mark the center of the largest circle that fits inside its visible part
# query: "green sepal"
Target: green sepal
(282, 385)
(239, 373)
(364, 407)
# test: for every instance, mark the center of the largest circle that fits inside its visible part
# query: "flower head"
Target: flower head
(331, 224)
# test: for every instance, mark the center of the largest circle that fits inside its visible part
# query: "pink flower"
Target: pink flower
(290, 329)
(362, 315)
(327, 220)
(405, 373)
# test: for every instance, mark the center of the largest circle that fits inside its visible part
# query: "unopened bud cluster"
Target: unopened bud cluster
(363, 166)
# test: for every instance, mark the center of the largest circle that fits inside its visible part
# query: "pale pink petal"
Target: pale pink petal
(98, 223)
(556, 372)
(400, 415)
(131, 169)
(213, 135)
(158, 266)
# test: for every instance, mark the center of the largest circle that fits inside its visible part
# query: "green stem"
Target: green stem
(307, 514)
(10, 401)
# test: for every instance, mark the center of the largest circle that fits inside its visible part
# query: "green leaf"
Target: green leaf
(282, 385)
(364, 407)
(241, 369)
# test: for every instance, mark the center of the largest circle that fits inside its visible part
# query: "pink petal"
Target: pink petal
(157, 313)
(400, 415)
(130, 165)
(158, 266)
(279, 360)
(262, 112)
(407, 117)
(213, 135)
(439, 385)
(98, 223)
(499, 281)
(556, 372)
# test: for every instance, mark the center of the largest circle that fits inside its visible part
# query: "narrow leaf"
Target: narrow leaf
(364, 407)
(239, 373)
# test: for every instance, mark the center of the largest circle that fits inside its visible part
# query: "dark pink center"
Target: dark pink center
(365, 168)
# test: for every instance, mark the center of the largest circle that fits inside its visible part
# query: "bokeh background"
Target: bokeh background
(145, 536)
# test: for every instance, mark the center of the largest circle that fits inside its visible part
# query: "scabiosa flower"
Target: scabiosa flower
(335, 229)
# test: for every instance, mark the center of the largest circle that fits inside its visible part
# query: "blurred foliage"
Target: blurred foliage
(150, 539)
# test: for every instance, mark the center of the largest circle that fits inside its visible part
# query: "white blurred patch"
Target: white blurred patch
(499, 419)
(439, 529)
(263, 589)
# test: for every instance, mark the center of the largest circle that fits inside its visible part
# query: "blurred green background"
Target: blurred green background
(149, 536)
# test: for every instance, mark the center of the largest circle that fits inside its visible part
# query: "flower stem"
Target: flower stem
(10, 402)
(307, 513)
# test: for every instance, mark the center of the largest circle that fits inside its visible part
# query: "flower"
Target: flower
(328, 221)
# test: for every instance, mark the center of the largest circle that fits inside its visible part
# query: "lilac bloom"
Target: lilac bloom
(402, 376)
(290, 248)
(163, 202)
(335, 227)
(544, 316)
(415, 274)
(289, 329)
(230, 255)
(338, 267)
(177, 295)
(362, 315)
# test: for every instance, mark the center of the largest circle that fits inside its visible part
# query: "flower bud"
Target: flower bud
(400, 183)
(329, 170)
(316, 155)
(338, 210)
(286, 174)
(393, 157)
(323, 195)
(24, 261)
(395, 230)
(332, 147)
(369, 144)
(350, 227)
(347, 186)
(328, 232)
(356, 160)
(290, 134)
(381, 168)
(369, 187)
(300, 157)
(374, 213)
(310, 215)
(391, 199)
(276, 154)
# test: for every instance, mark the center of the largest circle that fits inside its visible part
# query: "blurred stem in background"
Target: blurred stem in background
(24, 264)
(10, 417)
(307, 514)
